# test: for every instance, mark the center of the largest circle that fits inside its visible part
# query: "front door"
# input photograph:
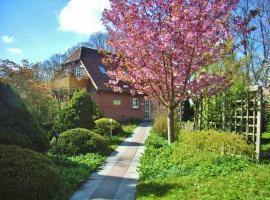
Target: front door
(147, 109)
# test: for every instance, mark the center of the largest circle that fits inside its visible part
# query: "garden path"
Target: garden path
(118, 177)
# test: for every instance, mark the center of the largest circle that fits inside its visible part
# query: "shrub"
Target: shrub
(160, 125)
(219, 142)
(17, 125)
(25, 174)
(79, 141)
(103, 127)
(79, 112)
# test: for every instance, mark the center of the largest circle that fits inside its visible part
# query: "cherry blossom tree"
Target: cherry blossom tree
(162, 48)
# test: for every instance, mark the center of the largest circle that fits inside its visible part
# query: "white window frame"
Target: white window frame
(135, 103)
(79, 72)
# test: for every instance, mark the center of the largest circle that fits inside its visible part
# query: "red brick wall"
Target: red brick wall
(125, 111)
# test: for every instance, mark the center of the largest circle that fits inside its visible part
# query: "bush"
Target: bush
(79, 141)
(103, 127)
(25, 174)
(219, 142)
(160, 125)
(17, 125)
(79, 112)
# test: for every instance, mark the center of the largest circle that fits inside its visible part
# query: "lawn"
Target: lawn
(181, 171)
(266, 142)
(74, 170)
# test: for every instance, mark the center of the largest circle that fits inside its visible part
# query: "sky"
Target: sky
(37, 29)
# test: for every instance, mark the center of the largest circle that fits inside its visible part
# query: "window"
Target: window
(79, 72)
(102, 69)
(135, 103)
(116, 102)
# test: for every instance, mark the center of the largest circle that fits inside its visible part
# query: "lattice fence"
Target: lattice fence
(242, 115)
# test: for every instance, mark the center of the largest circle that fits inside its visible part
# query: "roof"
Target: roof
(91, 59)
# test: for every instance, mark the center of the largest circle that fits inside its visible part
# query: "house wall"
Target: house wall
(125, 111)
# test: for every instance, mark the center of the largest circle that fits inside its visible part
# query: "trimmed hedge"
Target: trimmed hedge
(17, 125)
(79, 141)
(25, 174)
(103, 127)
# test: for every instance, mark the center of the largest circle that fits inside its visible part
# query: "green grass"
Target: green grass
(266, 146)
(266, 142)
(74, 170)
(185, 171)
(128, 127)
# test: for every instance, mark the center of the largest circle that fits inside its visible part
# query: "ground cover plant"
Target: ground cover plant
(197, 168)
(75, 169)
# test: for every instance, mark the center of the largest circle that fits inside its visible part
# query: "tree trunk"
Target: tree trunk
(170, 122)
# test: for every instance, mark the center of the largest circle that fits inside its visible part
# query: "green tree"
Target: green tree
(79, 112)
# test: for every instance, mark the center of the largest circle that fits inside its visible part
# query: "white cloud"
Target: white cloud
(15, 50)
(82, 16)
(7, 39)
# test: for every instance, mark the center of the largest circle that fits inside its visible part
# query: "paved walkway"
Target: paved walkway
(118, 177)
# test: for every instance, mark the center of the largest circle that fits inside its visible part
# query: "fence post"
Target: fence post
(259, 122)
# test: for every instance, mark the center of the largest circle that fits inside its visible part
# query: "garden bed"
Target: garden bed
(182, 172)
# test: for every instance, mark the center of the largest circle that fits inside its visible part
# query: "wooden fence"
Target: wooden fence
(242, 115)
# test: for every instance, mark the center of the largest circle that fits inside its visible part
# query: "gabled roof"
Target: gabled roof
(91, 59)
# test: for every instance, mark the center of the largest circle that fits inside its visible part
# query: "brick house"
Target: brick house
(84, 69)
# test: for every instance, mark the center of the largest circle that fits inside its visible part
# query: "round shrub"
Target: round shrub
(103, 127)
(25, 174)
(79, 141)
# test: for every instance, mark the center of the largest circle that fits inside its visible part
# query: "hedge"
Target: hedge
(25, 174)
(103, 127)
(79, 141)
(17, 125)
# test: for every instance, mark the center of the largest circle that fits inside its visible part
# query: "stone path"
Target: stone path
(118, 177)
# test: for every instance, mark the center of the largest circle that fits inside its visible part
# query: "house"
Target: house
(84, 69)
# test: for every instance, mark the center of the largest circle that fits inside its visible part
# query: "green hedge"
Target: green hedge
(25, 174)
(79, 141)
(17, 125)
(103, 127)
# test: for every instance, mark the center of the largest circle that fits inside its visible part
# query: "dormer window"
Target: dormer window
(79, 72)
(102, 69)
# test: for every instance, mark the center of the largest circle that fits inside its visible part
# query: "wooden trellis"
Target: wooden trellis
(242, 115)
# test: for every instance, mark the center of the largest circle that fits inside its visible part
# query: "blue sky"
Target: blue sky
(36, 29)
